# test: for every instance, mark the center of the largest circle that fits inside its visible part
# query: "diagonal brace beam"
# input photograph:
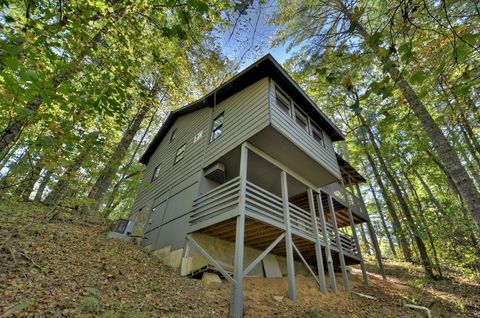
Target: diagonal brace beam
(264, 253)
(210, 259)
(306, 264)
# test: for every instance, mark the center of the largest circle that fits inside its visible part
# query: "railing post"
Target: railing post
(355, 237)
(328, 252)
(343, 267)
(236, 303)
(318, 246)
(292, 292)
(371, 230)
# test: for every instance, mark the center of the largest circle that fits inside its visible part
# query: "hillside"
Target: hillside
(67, 268)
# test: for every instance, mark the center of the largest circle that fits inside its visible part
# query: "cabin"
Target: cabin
(246, 182)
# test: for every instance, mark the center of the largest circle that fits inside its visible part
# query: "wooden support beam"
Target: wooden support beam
(292, 292)
(205, 254)
(236, 303)
(355, 237)
(328, 252)
(263, 254)
(343, 267)
(318, 246)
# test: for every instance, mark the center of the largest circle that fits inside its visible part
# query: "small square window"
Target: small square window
(180, 154)
(173, 135)
(217, 127)
(317, 134)
(300, 118)
(156, 172)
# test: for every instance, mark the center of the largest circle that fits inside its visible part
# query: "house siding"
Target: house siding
(287, 126)
(245, 114)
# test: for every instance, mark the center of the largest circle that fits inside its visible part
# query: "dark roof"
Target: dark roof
(266, 66)
(349, 171)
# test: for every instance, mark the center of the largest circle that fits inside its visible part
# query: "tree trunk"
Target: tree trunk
(403, 204)
(43, 184)
(384, 223)
(440, 144)
(424, 223)
(109, 205)
(364, 238)
(105, 179)
(397, 227)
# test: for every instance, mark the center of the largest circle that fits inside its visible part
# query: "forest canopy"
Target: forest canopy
(85, 85)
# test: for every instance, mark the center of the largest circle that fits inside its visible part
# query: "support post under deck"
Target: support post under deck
(355, 236)
(292, 292)
(318, 246)
(343, 267)
(371, 231)
(326, 239)
(236, 303)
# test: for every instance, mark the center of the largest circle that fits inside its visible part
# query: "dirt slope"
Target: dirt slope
(67, 268)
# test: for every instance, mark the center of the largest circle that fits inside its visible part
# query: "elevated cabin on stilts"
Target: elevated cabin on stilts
(246, 176)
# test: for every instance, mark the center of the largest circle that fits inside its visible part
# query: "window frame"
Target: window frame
(296, 109)
(314, 128)
(173, 135)
(219, 127)
(156, 172)
(180, 155)
(280, 94)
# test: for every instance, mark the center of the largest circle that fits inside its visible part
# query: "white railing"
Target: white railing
(215, 201)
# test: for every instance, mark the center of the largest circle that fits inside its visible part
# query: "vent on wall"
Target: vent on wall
(216, 172)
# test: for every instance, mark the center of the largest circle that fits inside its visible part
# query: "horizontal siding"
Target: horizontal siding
(287, 126)
(246, 113)
(187, 126)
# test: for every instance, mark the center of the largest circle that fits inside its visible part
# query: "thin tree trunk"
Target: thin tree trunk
(43, 185)
(384, 224)
(403, 204)
(442, 147)
(397, 227)
(364, 238)
(105, 179)
(424, 223)
(109, 205)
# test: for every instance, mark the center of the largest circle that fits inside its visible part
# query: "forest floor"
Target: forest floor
(67, 268)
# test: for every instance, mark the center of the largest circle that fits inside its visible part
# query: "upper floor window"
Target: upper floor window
(156, 172)
(180, 153)
(318, 134)
(173, 135)
(217, 127)
(283, 102)
(300, 118)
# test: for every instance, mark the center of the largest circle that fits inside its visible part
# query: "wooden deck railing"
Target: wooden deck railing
(265, 206)
(215, 201)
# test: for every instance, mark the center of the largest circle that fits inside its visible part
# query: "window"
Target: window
(283, 102)
(173, 135)
(300, 118)
(317, 134)
(180, 154)
(156, 172)
(217, 127)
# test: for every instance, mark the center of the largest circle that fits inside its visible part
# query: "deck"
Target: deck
(214, 214)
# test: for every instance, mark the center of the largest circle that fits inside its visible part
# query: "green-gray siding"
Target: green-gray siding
(245, 114)
(324, 155)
